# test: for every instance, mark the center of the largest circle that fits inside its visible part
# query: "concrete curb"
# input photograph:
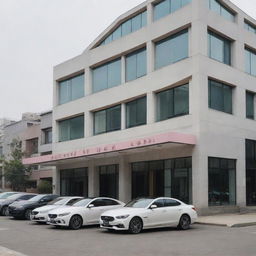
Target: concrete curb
(7, 252)
(236, 225)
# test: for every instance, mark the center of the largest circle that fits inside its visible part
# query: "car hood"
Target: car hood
(6, 202)
(24, 203)
(124, 211)
(49, 208)
(71, 209)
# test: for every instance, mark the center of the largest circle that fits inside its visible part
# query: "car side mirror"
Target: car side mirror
(90, 205)
(153, 206)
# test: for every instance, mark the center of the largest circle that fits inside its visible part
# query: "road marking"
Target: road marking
(7, 252)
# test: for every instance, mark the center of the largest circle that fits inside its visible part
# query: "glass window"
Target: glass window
(250, 27)
(220, 96)
(222, 10)
(47, 134)
(136, 65)
(107, 75)
(170, 178)
(74, 182)
(250, 105)
(250, 61)
(168, 6)
(173, 102)
(159, 203)
(136, 112)
(71, 129)
(107, 120)
(219, 48)
(222, 181)
(170, 202)
(109, 179)
(71, 89)
(171, 49)
(131, 25)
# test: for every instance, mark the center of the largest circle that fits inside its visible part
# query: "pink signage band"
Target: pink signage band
(172, 137)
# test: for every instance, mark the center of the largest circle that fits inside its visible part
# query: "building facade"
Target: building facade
(35, 135)
(162, 103)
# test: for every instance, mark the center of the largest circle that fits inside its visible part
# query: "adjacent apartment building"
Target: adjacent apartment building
(33, 131)
(162, 103)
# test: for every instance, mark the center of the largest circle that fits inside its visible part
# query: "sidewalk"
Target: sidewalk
(229, 220)
(6, 252)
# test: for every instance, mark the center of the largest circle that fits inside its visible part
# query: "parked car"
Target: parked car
(5, 195)
(84, 212)
(41, 214)
(23, 209)
(148, 213)
(11, 199)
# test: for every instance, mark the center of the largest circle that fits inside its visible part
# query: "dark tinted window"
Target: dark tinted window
(110, 202)
(26, 197)
(159, 203)
(72, 201)
(170, 202)
(98, 202)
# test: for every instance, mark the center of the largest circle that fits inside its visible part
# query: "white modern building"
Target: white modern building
(162, 103)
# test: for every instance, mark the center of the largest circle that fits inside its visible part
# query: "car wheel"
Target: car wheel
(75, 222)
(135, 225)
(5, 211)
(28, 214)
(184, 222)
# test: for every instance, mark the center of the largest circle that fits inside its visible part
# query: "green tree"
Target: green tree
(15, 173)
(44, 187)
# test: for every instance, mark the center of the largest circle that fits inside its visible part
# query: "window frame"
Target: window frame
(106, 130)
(70, 86)
(171, 93)
(69, 128)
(223, 86)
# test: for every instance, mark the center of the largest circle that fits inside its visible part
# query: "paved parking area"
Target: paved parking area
(201, 240)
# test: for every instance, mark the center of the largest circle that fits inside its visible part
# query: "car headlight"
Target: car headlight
(123, 216)
(64, 214)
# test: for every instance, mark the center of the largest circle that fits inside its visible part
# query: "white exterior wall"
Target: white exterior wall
(218, 134)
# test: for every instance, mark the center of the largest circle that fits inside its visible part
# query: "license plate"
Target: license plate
(52, 221)
(105, 223)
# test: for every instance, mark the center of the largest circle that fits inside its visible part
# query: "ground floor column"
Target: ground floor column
(56, 181)
(93, 180)
(199, 179)
(125, 180)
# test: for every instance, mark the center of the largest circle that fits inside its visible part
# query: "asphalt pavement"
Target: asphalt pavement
(201, 240)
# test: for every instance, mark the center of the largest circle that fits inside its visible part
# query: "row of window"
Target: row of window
(170, 103)
(167, 51)
(129, 26)
(218, 7)
(162, 9)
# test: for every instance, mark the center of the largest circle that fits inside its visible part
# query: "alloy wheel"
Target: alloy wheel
(135, 226)
(184, 222)
(76, 222)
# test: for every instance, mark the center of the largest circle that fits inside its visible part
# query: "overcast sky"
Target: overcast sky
(38, 34)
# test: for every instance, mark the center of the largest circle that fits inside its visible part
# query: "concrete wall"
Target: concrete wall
(218, 134)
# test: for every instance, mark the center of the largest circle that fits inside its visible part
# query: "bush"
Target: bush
(44, 187)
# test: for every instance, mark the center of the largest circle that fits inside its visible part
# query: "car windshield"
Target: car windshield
(7, 194)
(59, 201)
(139, 203)
(36, 198)
(82, 202)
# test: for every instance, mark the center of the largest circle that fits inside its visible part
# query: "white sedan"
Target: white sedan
(40, 214)
(84, 212)
(148, 213)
